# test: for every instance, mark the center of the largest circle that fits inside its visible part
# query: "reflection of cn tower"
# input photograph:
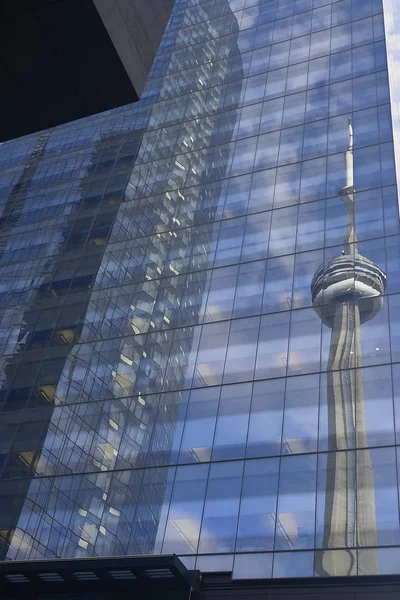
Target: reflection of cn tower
(346, 293)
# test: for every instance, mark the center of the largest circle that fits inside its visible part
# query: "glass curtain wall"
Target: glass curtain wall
(200, 296)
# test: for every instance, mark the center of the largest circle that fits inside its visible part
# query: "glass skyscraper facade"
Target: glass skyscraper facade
(200, 293)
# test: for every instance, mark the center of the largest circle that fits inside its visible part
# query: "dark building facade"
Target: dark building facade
(61, 60)
(199, 296)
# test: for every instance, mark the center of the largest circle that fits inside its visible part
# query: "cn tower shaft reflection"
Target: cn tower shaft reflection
(346, 293)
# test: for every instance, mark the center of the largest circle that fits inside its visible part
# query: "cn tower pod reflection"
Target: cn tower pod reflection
(346, 293)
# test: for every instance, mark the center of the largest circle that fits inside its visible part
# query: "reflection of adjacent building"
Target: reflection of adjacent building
(346, 293)
(109, 424)
(54, 284)
(21, 460)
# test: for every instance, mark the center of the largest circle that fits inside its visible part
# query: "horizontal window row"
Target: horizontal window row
(261, 21)
(253, 288)
(278, 284)
(274, 345)
(366, 561)
(53, 203)
(190, 14)
(371, 125)
(55, 174)
(308, 183)
(57, 235)
(337, 98)
(266, 57)
(269, 504)
(282, 5)
(236, 45)
(52, 180)
(289, 230)
(266, 151)
(73, 135)
(250, 420)
(262, 235)
(62, 215)
(58, 167)
(315, 73)
(259, 235)
(18, 150)
(27, 282)
(111, 126)
(287, 185)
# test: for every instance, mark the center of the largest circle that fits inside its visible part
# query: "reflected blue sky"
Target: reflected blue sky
(193, 414)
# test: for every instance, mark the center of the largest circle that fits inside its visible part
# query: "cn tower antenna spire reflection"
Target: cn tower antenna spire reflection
(346, 293)
(347, 194)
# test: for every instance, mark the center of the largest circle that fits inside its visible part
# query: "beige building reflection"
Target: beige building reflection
(347, 292)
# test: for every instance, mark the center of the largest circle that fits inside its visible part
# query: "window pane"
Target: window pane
(252, 566)
(215, 563)
(377, 498)
(242, 346)
(199, 428)
(305, 342)
(293, 564)
(374, 417)
(221, 294)
(186, 510)
(249, 290)
(278, 284)
(258, 506)
(211, 355)
(300, 429)
(336, 508)
(232, 422)
(272, 346)
(296, 503)
(378, 561)
(218, 530)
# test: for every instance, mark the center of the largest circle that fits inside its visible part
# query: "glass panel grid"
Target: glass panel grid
(199, 306)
